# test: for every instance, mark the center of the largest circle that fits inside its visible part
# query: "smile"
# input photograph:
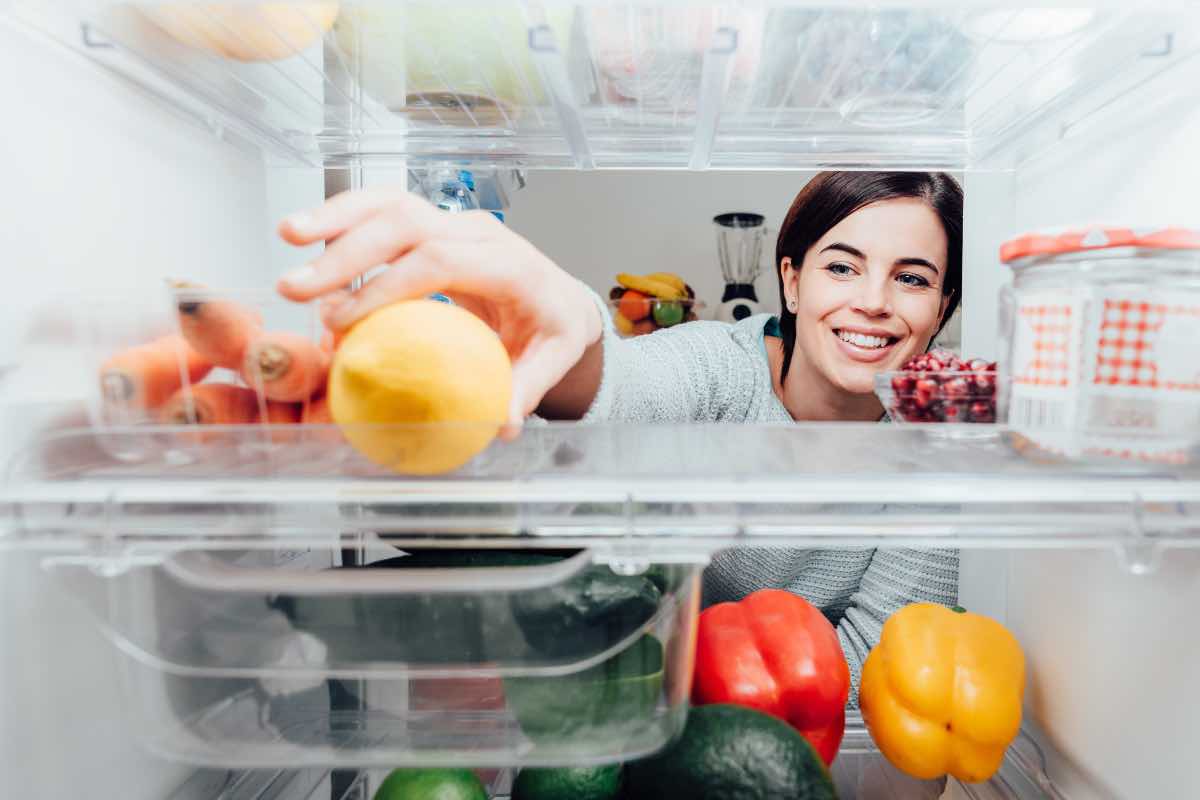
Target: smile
(864, 347)
(865, 340)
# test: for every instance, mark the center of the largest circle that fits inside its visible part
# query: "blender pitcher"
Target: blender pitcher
(740, 237)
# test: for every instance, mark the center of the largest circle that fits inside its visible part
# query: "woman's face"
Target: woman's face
(869, 293)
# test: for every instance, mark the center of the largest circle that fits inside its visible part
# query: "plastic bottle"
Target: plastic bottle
(454, 191)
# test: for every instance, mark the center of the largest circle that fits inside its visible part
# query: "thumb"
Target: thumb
(537, 370)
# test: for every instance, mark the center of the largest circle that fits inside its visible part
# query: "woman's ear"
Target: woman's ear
(790, 276)
(946, 298)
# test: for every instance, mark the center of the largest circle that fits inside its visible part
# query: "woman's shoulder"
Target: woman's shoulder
(745, 335)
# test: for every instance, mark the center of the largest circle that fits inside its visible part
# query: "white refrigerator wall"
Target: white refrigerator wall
(102, 192)
(1111, 653)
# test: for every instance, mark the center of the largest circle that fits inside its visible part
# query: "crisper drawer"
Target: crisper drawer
(438, 657)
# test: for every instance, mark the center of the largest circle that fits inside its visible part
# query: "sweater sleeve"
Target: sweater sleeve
(894, 578)
(688, 373)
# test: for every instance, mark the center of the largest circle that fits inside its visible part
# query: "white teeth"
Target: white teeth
(862, 339)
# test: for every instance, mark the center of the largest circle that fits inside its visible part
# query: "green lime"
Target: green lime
(607, 702)
(668, 313)
(431, 784)
(569, 783)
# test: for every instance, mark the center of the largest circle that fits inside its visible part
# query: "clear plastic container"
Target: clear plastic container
(1099, 330)
(896, 70)
(659, 85)
(912, 396)
(464, 657)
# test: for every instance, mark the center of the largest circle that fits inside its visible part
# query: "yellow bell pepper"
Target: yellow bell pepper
(941, 692)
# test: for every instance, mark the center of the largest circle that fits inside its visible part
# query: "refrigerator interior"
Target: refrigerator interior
(140, 158)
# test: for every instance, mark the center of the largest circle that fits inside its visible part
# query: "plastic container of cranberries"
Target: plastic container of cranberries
(939, 387)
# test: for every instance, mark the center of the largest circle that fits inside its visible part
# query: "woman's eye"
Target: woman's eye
(909, 279)
(838, 268)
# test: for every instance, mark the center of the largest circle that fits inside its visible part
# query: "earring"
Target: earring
(791, 305)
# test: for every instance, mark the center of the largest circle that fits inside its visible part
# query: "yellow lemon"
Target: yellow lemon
(433, 378)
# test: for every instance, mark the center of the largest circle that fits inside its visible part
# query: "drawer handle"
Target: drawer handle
(202, 571)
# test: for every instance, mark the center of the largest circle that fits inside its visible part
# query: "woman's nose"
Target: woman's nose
(873, 299)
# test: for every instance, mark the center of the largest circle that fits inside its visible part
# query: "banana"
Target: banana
(623, 326)
(646, 285)
(671, 279)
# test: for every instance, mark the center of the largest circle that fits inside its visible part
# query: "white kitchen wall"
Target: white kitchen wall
(102, 192)
(596, 224)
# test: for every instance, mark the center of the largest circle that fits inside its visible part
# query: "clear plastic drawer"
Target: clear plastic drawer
(437, 657)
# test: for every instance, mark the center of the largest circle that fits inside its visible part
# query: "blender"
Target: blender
(740, 237)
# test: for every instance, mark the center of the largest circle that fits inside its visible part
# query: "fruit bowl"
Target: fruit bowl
(652, 314)
(645, 303)
(939, 387)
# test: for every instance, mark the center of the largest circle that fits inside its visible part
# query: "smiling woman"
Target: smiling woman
(870, 267)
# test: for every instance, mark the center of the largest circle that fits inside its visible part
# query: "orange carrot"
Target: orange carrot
(217, 329)
(145, 376)
(283, 420)
(281, 413)
(212, 404)
(317, 412)
(286, 366)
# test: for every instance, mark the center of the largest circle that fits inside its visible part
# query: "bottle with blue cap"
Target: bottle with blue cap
(454, 191)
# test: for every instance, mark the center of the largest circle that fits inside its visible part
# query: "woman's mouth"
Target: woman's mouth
(866, 347)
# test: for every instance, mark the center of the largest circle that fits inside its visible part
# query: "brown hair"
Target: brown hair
(830, 197)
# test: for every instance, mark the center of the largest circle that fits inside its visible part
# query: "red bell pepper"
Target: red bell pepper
(775, 652)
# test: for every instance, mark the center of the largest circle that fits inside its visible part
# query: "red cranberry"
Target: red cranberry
(955, 412)
(983, 411)
(956, 387)
(985, 383)
(978, 365)
(903, 383)
(926, 391)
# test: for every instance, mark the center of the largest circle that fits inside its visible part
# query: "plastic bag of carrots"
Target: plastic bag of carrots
(223, 367)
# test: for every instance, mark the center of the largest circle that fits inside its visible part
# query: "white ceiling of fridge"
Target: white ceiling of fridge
(662, 85)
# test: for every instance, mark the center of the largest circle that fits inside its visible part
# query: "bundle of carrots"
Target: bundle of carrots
(284, 373)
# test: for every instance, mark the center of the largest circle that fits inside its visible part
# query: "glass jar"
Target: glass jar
(1100, 331)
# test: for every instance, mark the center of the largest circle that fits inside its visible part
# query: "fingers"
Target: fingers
(378, 240)
(418, 274)
(539, 368)
(339, 213)
(364, 229)
(330, 305)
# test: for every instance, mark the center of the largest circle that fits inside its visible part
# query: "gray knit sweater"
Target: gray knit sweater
(714, 372)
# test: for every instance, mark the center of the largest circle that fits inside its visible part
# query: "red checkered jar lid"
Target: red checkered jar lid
(1097, 240)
